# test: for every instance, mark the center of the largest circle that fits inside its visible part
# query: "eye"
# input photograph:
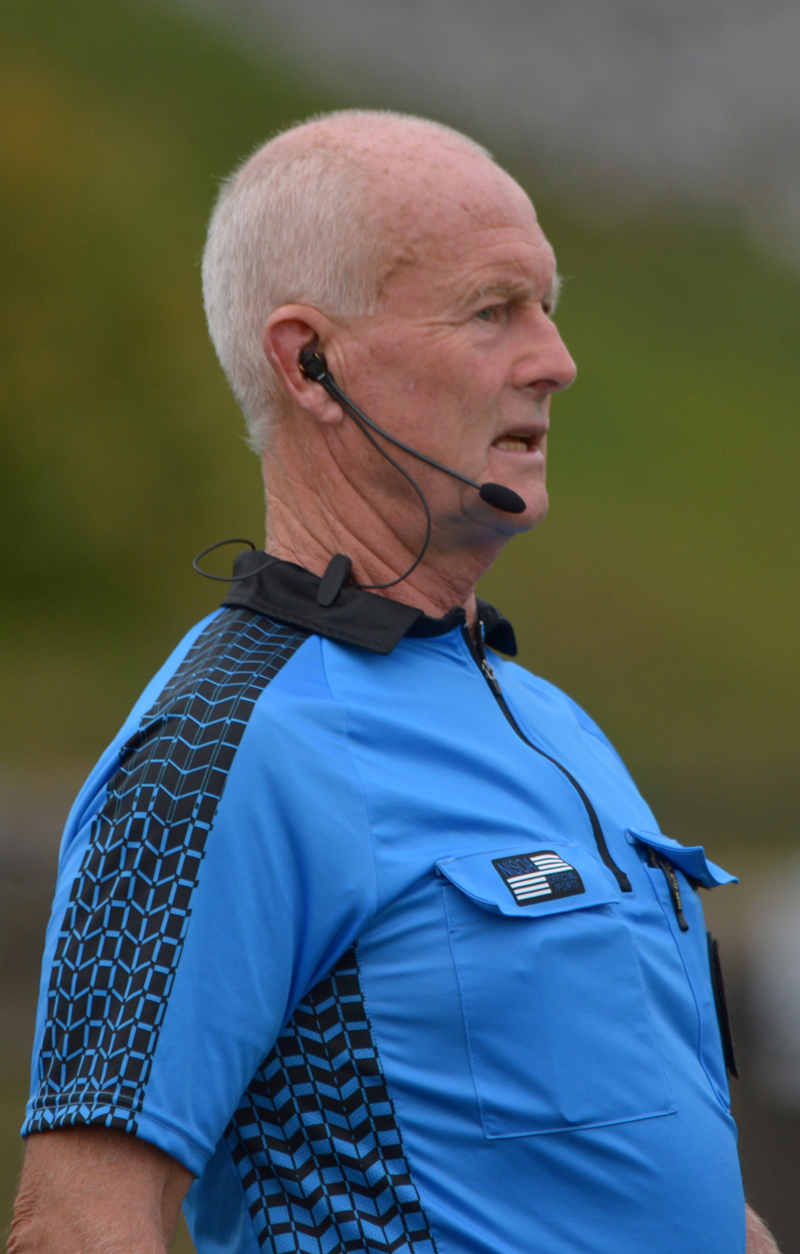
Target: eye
(487, 314)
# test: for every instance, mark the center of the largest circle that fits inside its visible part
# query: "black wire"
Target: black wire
(363, 423)
(371, 587)
(228, 578)
(332, 388)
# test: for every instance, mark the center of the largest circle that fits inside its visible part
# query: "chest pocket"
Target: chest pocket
(554, 1007)
(676, 871)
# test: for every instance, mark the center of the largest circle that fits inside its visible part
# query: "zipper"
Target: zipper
(672, 883)
(478, 655)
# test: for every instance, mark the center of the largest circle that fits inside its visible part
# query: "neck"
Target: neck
(309, 526)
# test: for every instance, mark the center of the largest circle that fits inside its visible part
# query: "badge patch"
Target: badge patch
(541, 876)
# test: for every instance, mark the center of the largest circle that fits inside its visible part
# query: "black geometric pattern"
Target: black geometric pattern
(129, 910)
(316, 1140)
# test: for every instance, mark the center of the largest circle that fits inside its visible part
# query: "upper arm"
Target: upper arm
(85, 1190)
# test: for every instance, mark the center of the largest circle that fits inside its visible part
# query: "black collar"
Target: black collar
(289, 593)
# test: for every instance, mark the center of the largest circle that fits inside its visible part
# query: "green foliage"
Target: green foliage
(123, 452)
(662, 591)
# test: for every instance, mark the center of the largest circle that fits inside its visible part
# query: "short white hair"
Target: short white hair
(296, 223)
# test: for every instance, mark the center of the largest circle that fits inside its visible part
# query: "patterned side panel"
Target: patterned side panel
(129, 911)
(316, 1140)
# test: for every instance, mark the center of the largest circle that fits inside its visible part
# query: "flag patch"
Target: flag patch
(541, 876)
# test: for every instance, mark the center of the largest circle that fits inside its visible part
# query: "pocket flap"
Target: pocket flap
(690, 859)
(531, 879)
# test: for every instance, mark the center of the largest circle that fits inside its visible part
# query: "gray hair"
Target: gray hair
(295, 223)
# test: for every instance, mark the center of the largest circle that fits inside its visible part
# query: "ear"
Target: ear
(290, 329)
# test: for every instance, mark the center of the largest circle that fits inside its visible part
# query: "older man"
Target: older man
(358, 926)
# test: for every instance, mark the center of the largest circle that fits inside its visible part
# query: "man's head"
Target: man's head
(417, 265)
(308, 218)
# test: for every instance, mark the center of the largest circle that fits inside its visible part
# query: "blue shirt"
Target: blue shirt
(373, 932)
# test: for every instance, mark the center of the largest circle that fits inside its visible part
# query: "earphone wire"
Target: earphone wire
(364, 424)
(332, 388)
(227, 578)
(372, 587)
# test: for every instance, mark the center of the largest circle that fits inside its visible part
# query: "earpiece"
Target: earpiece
(313, 364)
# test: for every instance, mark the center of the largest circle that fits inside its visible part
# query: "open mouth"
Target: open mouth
(518, 442)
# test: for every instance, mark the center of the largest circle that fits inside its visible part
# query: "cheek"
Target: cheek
(427, 394)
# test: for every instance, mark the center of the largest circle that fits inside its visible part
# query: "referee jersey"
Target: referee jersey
(372, 931)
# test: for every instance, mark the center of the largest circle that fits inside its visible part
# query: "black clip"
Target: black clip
(336, 575)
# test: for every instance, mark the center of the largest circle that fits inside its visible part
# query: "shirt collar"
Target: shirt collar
(287, 592)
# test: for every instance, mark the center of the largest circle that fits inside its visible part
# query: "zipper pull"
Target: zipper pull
(484, 663)
(672, 884)
(491, 678)
(475, 646)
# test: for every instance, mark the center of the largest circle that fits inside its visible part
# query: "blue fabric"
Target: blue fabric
(408, 1006)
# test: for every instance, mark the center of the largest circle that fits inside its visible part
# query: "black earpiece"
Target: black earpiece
(313, 364)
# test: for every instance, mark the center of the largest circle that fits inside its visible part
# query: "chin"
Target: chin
(538, 504)
(532, 518)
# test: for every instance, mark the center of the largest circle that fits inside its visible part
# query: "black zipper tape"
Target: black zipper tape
(477, 651)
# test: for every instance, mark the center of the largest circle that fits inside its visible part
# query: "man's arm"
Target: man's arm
(96, 1191)
(759, 1238)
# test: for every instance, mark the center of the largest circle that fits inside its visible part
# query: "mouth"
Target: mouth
(519, 441)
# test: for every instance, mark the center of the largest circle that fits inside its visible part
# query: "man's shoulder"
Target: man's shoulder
(196, 715)
(203, 694)
(230, 656)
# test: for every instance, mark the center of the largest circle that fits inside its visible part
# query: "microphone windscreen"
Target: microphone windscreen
(508, 501)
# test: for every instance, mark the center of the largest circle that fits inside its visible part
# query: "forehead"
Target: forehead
(460, 226)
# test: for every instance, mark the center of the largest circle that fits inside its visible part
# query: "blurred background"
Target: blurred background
(660, 143)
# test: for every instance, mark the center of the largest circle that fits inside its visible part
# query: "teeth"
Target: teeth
(513, 443)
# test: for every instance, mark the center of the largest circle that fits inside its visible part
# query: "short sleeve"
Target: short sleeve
(203, 894)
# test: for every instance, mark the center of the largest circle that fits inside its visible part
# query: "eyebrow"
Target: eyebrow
(511, 289)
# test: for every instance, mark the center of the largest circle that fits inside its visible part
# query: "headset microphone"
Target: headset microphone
(337, 574)
(314, 366)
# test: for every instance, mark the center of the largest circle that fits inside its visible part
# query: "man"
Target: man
(359, 927)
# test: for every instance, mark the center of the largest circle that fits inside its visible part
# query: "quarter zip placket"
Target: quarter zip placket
(478, 654)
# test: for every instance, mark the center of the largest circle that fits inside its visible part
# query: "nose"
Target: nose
(545, 363)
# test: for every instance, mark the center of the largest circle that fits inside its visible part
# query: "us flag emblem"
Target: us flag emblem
(541, 876)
